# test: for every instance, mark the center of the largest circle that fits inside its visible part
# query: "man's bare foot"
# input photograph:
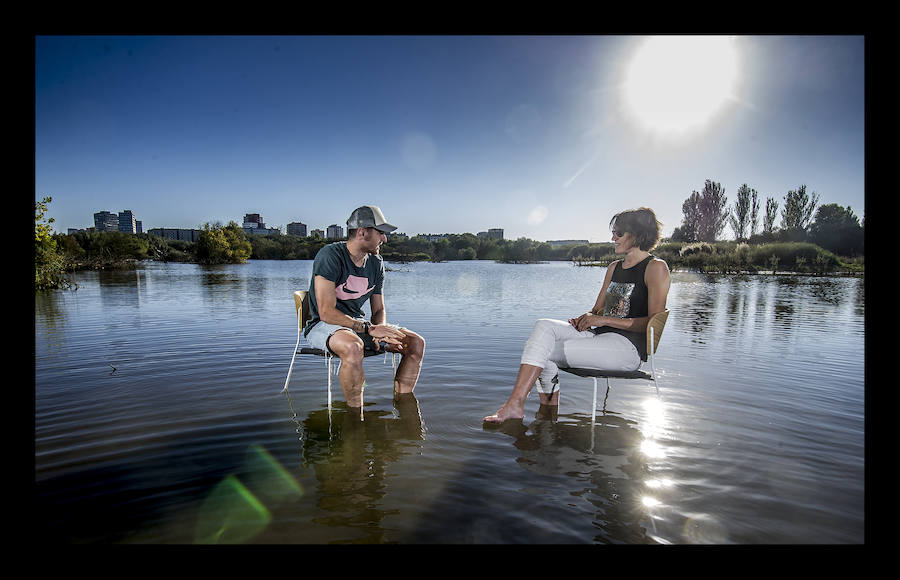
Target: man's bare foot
(505, 413)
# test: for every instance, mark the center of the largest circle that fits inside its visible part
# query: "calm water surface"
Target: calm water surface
(160, 416)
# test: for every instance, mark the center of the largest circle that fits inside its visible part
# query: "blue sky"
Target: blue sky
(446, 134)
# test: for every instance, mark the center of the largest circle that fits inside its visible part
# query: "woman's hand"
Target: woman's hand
(586, 321)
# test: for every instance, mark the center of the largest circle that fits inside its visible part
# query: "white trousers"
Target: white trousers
(555, 343)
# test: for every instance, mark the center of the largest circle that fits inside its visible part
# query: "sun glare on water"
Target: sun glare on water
(675, 84)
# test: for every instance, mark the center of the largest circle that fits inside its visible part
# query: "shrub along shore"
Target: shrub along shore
(729, 257)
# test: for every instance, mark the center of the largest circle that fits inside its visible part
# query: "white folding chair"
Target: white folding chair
(654, 332)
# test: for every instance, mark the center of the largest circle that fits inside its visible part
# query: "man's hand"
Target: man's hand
(387, 333)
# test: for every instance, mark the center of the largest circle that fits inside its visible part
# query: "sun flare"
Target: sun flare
(678, 83)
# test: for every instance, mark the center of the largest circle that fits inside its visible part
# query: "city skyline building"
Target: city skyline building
(252, 224)
(492, 233)
(296, 229)
(185, 234)
(253, 220)
(334, 232)
(105, 221)
(127, 222)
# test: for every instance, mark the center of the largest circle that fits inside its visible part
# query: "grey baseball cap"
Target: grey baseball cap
(369, 216)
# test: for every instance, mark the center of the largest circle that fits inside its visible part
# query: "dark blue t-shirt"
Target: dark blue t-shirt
(354, 285)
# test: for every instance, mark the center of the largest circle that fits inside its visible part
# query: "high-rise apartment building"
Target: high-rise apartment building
(296, 229)
(493, 233)
(254, 225)
(105, 221)
(253, 220)
(127, 222)
(334, 232)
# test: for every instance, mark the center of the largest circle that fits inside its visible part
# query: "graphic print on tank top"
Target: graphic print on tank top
(618, 299)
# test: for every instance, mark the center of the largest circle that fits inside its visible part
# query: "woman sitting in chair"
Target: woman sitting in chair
(612, 336)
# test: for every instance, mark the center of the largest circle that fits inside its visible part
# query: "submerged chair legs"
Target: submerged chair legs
(594, 405)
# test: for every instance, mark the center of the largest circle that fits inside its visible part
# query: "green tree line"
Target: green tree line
(832, 227)
(827, 240)
(57, 254)
(402, 248)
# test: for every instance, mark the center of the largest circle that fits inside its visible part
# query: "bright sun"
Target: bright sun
(677, 83)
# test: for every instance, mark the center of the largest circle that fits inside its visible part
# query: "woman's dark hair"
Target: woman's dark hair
(641, 223)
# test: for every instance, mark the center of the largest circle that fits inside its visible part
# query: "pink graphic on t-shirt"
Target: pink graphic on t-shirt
(355, 287)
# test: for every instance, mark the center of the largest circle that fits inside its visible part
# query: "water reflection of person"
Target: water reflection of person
(350, 459)
(612, 335)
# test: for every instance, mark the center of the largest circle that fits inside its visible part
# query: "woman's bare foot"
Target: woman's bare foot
(514, 408)
(506, 412)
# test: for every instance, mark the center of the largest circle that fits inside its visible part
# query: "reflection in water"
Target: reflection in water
(607, 464)
(350, 458)
(743, 315)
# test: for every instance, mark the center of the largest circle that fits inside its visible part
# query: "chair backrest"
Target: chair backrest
(301, 304)
(657, 323)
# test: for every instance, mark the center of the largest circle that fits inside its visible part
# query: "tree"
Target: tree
(222, 245)
(49, 267)
(754, 212)
(837, 229)
(740, 215)
(690, 223)
(523, 250)
(443, 251)
(798, 209)
(771, 214)
(705, 214)
(713, 210)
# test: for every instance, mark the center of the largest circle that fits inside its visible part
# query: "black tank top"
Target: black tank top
(627, 297)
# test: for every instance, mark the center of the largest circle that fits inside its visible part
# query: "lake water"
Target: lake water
(160, 417)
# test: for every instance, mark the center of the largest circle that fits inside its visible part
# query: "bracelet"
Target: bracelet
(366, 327)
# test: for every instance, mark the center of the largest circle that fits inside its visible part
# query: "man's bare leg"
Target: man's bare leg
(412, 353)
(514, 408)
(349, 348)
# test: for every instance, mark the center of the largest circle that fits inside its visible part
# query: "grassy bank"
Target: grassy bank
(730, 257)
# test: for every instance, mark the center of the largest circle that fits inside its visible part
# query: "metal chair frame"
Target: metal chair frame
(301, 304)
(654, 332)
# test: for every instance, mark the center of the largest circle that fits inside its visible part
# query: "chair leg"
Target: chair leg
(653, 377)
(328, 364)
(594, 404)
(653, 362)
(290, 368)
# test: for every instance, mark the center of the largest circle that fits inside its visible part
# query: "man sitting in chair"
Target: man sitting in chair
(345, 276)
